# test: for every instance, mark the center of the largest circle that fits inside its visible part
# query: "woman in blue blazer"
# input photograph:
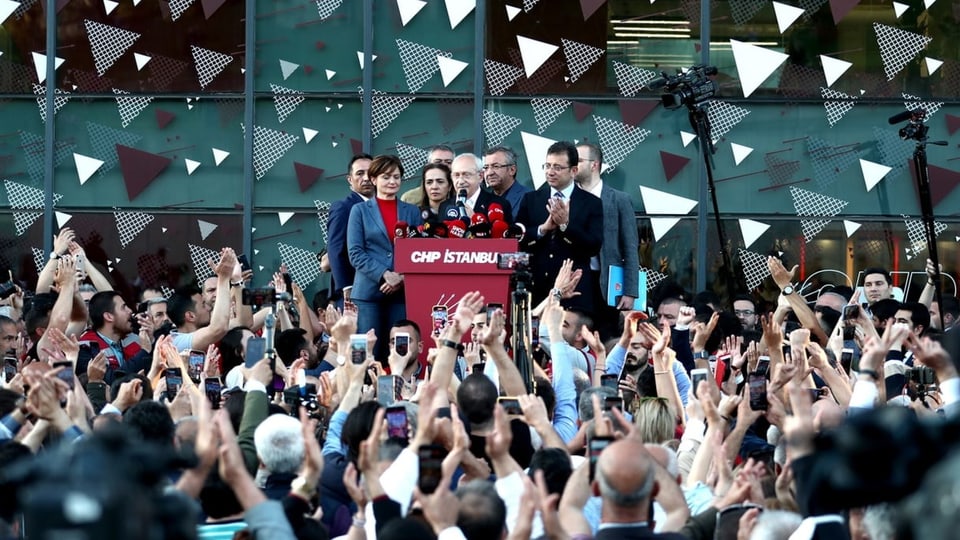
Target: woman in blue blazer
(371, 231)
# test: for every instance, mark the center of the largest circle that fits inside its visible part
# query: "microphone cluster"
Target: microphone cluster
(454, 224)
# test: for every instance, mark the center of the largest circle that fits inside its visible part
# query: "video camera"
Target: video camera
(687, 88)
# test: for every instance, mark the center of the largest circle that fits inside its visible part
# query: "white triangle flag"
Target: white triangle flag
(899, 8)
(287, 68)
(457, 10)
(535, 148)
(754, 64)
(932, 65)
(662, 226)
(191, 165)
(141, 60)
(687, 137)
(534, 53)
(928, 3)
(512, 12)
(219, 156)
(330, 74)
(284, 217)
(40, 64)
(873, 173)
(660, 202)
(751, 230)
(833, 68)
(850, 227)
(360, 58)
(786, 15)
(86, 166)
(206, 228)
(163, 229)
(309, 134)
(108, 6)
(740, 152)
(256, 252)
(409, 9)
(449, 69)
(62, 218)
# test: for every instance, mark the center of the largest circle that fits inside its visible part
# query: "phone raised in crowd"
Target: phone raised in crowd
(385, 392)
(358, 348)
(511, 405)
(697, 375)
(846, 359)
(9, 368)
(763, 365)
(397, 426)
(534, 331)
(174, 378)
(851, 312)
(610, 403)
(66, 374)
(610, 380)
(212, 388)
(255, 350)
(195, 365)
(491, 309)
(439, 317)
(244, 262)
(757, 385)
(431, 460)
(594, 449)
(401, 343)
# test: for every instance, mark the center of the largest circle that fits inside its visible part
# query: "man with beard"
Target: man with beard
(406, 365)
(630, 355)
(111, 332)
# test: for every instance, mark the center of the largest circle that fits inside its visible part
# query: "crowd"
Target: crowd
(227, 411)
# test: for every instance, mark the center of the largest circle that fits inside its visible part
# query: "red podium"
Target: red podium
(436, 270)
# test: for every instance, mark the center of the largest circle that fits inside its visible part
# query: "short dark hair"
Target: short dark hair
(506, 150)
(555, 464)
(440, 147)
(877, 270)
(745, 298)
(594, 151)
(477, 396)
(152, 422)
(583, 318)
(384, 164)
(884, 309)
(565, 148)
(919, 314)
(178, 305)
(544, 390)
(356, 158)
(289, 343)
(407, 322)
(483, 514)
(950, 305)
(100, 304)
(231, 348)
(357, 427)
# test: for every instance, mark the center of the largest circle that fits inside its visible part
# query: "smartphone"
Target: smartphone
(846, 359)
(401, 343)
(244, 262)
(358, 348)
(195, 365)
(385, 391)
(439, 317)
(610, 403)
(479, 367)
(65, 375)
(790, 326)
(491, 309)
(815, 393)
(610, 380)
(9, 368)
(511, 405)
(851, 312)
(288, 281)
(255, 350)
(595, 448)
(758, 392)
(174, 378)
(212, 388)
(431, 459)
(397, 427)
(763, 365)
(534, 331)
(697, 375)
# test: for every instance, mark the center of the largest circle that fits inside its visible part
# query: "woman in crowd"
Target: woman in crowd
(436, 187)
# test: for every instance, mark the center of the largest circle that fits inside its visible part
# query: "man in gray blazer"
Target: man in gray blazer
(621, 241)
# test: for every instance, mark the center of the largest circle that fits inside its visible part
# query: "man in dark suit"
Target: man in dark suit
(562, 222)
(624, 479)
(361, 189)
(467, 173)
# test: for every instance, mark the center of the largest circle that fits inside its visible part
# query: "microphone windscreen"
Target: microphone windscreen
(456, 228)
(480, 230)
(515, 230)
(401, 229)
(478, 218)
(498, 228)
(439, 230)
(495, 212)
(452, 212)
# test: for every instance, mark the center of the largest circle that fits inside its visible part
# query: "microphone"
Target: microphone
(452, 212)
(456, 228)
(495, 212)
(515, 230)
(426, 215)
(434, 229)
(906, 115)
(462, 197)
(401, 229)
(480, 230)
(478, 219)
(498, 228)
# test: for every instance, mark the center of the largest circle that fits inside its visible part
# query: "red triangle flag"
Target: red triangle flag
(634, 111)
(589, 7)
(840, 8)
(307, 175)
(163, 118)
(210, 7)
(139, 168)
(953, 123)
(581, 110)
(672, 164)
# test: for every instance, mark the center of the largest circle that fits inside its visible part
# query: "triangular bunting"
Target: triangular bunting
(899, 8)
(534, 53)
(535, 148)
(722, 117)
(589, 7)
(917, 234)
(141, 60)
(199, 257)
(131, 224)
(617, 139)
(412, 158)
(191, 165)
(740, 152)
(672, 164)
(497, 126)
(386, 109)
(330, 73)
(547, 110)
(953, 123)
(932, 65)
(28, 199)
(309, 134)
(208, 64)
(206, 228)
(103, 141)
(634, 111)
(211, 6)
(631, 79)
(687, 138)
(836, 109)
(326, 8)
(130, 107)
(219, 156)
(754, 64)
(449, 69)
(579, 57)
(178, 7)
(840, 8)
(409, 9)
(942, 183)
(833, 68)
(499, 76)
(457, 10)
(873, 173)
(751, 230)
(269, 146)
(786, 15)
(287, 68)
(850, 227)
(360, 58)
(660, 202)
(108, 6)
(307, 175)
(7, 7)
(323, 218)
(755, 268)
(898, 47)
(163, 118)
(512, 12)
(139, 169)
(62, 218)
(285, 101)
(86, 166)
(40, 65)
(301, 263)
(107, 43)
(808, 203)
(284, 217)
(581, 110)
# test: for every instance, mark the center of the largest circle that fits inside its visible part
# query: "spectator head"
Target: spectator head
(279, 443)
(357, 427)
(109, 312)
(478, 325)
(624, 479)
(467, 173)
(843, 291)
(883, 311)
(357, 175)
(877, 284)
(405, 527)
(187, 310)
(477, 396)
(483, 515)
(157, 310)
(665, 457)
(144, 385)
(914, 314)
(709, 298)
(587, 413)
(573, 321)
(152, 422)
(544, 391)
(436, 186)
(8, 334)
(589, 162)
(232, 346)
(441, 153)
(413, 330)
(561, 164)
(655, 420)
(292, 344)
(185, 432)
(746, 311)
(556, 467)
(499, 168)
(777, 524)
(86, 292)
(669, 309)
(217, 498)
(950, 311)
(386, 172)
(38, 316)
(150, 293)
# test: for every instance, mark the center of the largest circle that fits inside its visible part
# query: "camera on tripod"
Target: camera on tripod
(687, 88)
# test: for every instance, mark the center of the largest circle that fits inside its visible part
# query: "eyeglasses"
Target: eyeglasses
(554, 167)
(497, 166)
(743, 312)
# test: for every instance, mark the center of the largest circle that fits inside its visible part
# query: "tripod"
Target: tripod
(520, 329)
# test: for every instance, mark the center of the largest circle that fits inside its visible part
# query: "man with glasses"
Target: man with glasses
(467, 173)
(440, 153)
(746, 311)
(562, 222)
(361, 189)
(500, 174)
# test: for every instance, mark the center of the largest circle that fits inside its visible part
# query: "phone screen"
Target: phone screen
(439, 319)
(174, 379)
(212, 389)
(763, 365)
(596, 447)
(697, 376)
(510, 405)
(431, 459)
(401, 342)
(758, 392)
(385, 392)
(244, 262)
(66, 374)
(534, 331)
(610, 403)
(846, 359)
(358, 348)
(255, 350)
(9, 368)
(851, 311)
(610, 381)
(397, 423)
(195, 365)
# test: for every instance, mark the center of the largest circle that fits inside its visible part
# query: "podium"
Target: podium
(438, 269)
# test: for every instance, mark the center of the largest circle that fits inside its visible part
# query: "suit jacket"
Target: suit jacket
(484, 200)
(621, 241)
(635, 533)
(581, 241)
(370, 248)
(337, 242)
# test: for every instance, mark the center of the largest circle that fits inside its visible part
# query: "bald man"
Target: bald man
(625, 482)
